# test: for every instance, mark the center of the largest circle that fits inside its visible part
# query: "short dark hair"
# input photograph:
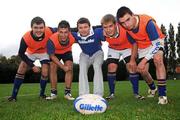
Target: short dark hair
(64, 24)
(122, 11)
(108, 18)
(37, 20)
(83, 20)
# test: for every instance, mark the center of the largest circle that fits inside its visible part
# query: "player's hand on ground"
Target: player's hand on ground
(36, 69)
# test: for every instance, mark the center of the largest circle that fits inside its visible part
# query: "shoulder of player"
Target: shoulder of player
(98, 30)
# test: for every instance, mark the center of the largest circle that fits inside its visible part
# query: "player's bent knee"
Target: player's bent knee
(130, 70)
(23, 64)
(45, 72)
(144, 72)
(22, 68)
(158, 61)
(112, 67)
(52, 65)
(69, 71)
(44, 77)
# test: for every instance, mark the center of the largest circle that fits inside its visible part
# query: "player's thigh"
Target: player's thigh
(22, 68)
(45, 69)
(143, 52)
(147, 66)
(125, 54)
(32, 57)
(53, 67)
(68, 58)
(112, 53)
(112, 64)
(69, 63)
(43, 58)
(158, 57)
(126, 61)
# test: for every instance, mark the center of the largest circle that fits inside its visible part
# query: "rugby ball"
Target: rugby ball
(90, 104)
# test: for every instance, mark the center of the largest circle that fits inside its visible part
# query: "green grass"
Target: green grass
(123, 107)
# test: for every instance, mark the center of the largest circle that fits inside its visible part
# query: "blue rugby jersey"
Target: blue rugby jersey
(92, 43)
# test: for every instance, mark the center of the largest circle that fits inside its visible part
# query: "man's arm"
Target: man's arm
(100, 34)
(154, 37)
(74, 34)
(134, 49)
(134, 52)
(21, 53)
(51, 52)
(53, 29)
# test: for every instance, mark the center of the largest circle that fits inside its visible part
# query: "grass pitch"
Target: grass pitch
(123, 107)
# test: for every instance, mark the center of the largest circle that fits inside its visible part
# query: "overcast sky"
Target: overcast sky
(16, 16)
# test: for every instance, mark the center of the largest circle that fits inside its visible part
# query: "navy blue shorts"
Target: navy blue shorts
(66, 56)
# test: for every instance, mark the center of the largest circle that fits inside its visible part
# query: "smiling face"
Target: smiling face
(128, 21)
(38, 29)
(63, 34)
(84, 29)
(109, 29)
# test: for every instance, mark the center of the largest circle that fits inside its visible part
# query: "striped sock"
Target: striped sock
(134, 78)
(162, 87)
(67, 91)
(111, 76)
(152, 86)
(54, 91)
(19, 78)
(43, 83)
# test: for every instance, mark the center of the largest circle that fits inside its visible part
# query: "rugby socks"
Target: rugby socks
(54, 91)
(111, 76)
(134, 78)
(43, 83)
(152, 86)
(19, 78)
(162, 87)
(67, 91)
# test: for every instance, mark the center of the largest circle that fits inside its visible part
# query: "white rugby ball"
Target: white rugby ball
(90, 104)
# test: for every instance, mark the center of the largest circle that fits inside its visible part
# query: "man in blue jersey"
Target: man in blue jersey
(92, 54)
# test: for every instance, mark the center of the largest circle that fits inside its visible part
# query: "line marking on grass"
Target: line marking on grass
(23, 95)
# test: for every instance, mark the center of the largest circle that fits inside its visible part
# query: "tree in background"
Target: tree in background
(166, 47)
(14, 61)
(166, 43)
(178, 43)
(3, 61)
(172, 55)
(9, 66)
